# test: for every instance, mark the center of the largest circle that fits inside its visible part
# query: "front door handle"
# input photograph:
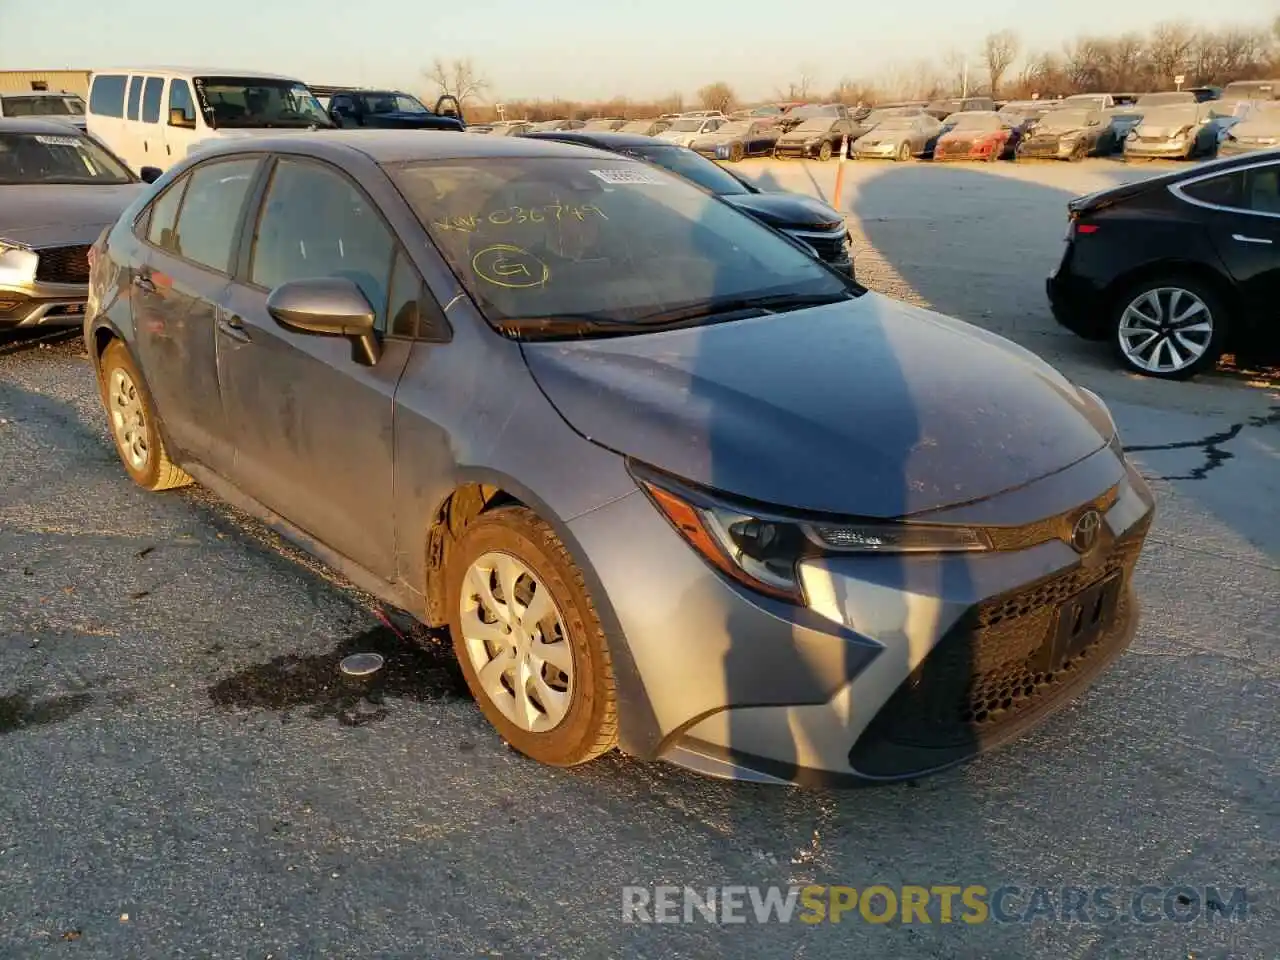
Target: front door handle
(1243, 239)
(231, 325)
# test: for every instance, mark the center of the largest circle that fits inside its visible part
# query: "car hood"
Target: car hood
(411, 121)
(786, 209)
(48, 214)
(1263, 127)
(716, 139)
(869, 407)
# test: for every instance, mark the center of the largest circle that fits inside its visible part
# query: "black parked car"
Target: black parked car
(392, 110)
(1177, 269)
(810, 221)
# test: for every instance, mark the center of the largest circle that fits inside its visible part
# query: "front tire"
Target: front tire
(1169, 327)
(904, 153)
(824, 152)
(134, 423)
(736, 153)
(529, 640)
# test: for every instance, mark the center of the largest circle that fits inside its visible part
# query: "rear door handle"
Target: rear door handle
(1243, 239)
(233, 327)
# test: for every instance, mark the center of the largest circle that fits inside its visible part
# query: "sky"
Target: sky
(575, 50)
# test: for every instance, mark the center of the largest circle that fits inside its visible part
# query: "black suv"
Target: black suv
(392, 110)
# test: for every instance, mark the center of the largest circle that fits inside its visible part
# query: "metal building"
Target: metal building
(55, 81)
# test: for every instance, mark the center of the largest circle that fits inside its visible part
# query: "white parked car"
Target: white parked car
(153, 117)
(685, 130)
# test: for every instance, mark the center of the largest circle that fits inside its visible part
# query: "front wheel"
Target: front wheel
(529, 640)
(736, 153)
(1169, 328)
(135, 426)
(824, 152)
(904, 153)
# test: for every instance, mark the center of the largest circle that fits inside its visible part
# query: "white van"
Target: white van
(152, 117)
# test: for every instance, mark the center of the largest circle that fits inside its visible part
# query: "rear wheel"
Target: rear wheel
(736, 153)
(135, 426)
(1169, 327)
(824, 152)
(904, 152)
(529, 640)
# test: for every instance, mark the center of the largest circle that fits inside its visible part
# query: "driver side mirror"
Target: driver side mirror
(178, 118)
(331, 307)
(150, 174)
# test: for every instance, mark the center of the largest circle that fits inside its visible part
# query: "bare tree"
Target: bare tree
(457, 78)
(798, 89)
(1168, 50)
(955, 66)
(717, 96)
(999, 50)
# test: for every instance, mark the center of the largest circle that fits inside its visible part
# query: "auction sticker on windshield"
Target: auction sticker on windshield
(627, 176)
(58, 141)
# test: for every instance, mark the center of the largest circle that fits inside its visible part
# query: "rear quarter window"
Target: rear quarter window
(107, 97)
(1222, 191)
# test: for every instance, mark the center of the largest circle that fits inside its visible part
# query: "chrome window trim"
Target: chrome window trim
(1176, 189)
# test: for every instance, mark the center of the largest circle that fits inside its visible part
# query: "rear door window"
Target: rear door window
(210, 211)
(107, 97)
(135, 97)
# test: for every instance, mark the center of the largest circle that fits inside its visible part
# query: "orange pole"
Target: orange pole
(844, 153)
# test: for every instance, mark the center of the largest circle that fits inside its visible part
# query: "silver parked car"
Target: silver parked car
(672, 484)
(66, 107)
(899, 138)
(58, 191)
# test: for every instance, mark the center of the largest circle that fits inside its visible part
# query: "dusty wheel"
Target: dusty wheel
(1169, 327)
(529, 640)
(1079, 152)
(134, 423)
(904, 152)
(824, 151)
(736, 153)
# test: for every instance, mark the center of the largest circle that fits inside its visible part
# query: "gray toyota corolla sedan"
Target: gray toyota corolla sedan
(672, 484)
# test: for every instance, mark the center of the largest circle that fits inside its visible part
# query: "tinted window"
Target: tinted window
(135, 97)
(1223, 191)
(406, 296)
(314, 223)
(1262, 190)
(211, 211)
(107, 98)
(151, 100)
(164, 213)
(180, 99)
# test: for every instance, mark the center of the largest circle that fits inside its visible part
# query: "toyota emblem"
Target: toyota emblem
(1084, 535)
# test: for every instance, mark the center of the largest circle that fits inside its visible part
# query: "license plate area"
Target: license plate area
(1080, 622)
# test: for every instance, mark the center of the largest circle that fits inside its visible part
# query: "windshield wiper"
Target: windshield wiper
(777, 303)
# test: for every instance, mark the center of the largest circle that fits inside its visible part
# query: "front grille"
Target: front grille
(993, 670)
(958, 147)
(63, 264)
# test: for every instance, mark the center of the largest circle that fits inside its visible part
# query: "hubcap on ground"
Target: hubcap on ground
(517, 642)
(128, 421)
(1165, 330)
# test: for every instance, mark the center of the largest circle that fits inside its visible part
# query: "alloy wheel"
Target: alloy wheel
(516, 640)
(1165, 330)
(128, 418)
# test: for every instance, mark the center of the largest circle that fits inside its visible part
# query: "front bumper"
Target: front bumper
(880, 151)
(795, 150)
(1162, 150)
(42, 305)
(1047, 150)
(963, 153)
(899, 666)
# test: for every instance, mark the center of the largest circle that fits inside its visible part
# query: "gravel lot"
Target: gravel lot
(186, 775)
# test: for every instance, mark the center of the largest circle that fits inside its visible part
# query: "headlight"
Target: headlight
(760, 549)
(7, 245)
(1133, 135)
(17, 262)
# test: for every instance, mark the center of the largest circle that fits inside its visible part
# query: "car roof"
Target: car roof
(394, 146)
(36, 125)
(38, 93)
(198, 72)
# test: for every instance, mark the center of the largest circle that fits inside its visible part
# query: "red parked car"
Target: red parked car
(974, 135)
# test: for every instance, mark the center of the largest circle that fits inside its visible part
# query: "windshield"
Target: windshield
(735, 129)
(940, 105)
(706, 174)
(43, 106)
(236, 103)
(1061, 121)
(896, 123)
(1176, 116)
(637, 126)
(816, 125)
(600, 124)
(57, 158)
(391, 103)
(975, 121)
(766, 111)
(1165, 99)
(577, 247)
(687, 126)
(1262, 121)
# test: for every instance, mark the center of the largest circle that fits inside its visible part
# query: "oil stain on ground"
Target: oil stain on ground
(18, 710)
(419, 668)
